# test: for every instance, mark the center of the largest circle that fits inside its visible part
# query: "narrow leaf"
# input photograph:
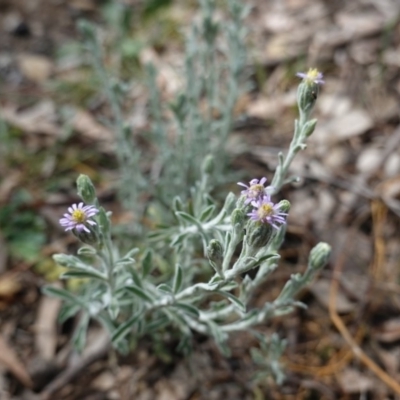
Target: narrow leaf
(125, 328)
(83, 274)
(206, 213)
(139, 292)
(62, 294)
(233, 299)
(185, 217)
(188, 309)
(177, 284)
(147, 263)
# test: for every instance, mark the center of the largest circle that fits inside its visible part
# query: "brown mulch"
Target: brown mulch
(346, 345)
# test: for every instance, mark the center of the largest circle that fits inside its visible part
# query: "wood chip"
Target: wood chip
(46, 327)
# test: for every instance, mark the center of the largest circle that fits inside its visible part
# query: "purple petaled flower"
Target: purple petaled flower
(312, 76)
(267, 212)
(255, 190)
(78, 217)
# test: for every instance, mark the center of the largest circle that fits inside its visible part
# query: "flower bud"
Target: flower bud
(86, 190)
(307, 94)
(319, 256)
(92, 238)
(284, 206)
(258, 234)
(215, 254)
(309, 127)
(238, 217)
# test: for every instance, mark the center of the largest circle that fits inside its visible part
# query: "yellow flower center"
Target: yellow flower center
(265, 210)
(312, 74)
(79, 216)
(256, 189)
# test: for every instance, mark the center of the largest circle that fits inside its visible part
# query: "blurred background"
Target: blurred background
(54, 125)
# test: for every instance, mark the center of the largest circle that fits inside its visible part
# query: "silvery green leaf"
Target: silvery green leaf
(113, 308)
(147, 263)
(188, 309)
(220, 338)
(206, 213)
(229, 286)
(178, 239)
(215, 279)
(177, 204)
(80, 274)
(157, 324)
(185, 217)
(139, 292)
(233, 299)
(67, 261)
(267, 257)
(165, 288)
(86, 251)
(177, 320)
(177, 284)
(68, 310)
(135, 276)
(79, 337)
(131, 252)
(125, 261)
(63, 295)
(125, 328)
(104, 220)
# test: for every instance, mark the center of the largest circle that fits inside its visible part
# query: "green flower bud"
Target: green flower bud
(258, 234)
(319, 256)
(215, 254)
(92, 238)
(238, 217)
(307, 94)
(309, 127)
(284, 206)
(86, 190)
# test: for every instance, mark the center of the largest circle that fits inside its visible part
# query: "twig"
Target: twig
(356, 349)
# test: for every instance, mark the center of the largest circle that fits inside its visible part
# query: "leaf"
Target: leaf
(125, 328)
(206, 213)
(158, 324)
(188, 309)
(131, 253)
(104, 221)
(177, 204)
(62, 294)
(178, 239)
(80, 274)
(220, 338)
(147, 263)
(139, 292)
(79, 338)
(185, 217)
(177, 284)
(135, 276)
(68, 310)
(86, 251)
(165, 288)
(233, 299)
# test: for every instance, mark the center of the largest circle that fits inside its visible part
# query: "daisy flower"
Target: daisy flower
(79, 217)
